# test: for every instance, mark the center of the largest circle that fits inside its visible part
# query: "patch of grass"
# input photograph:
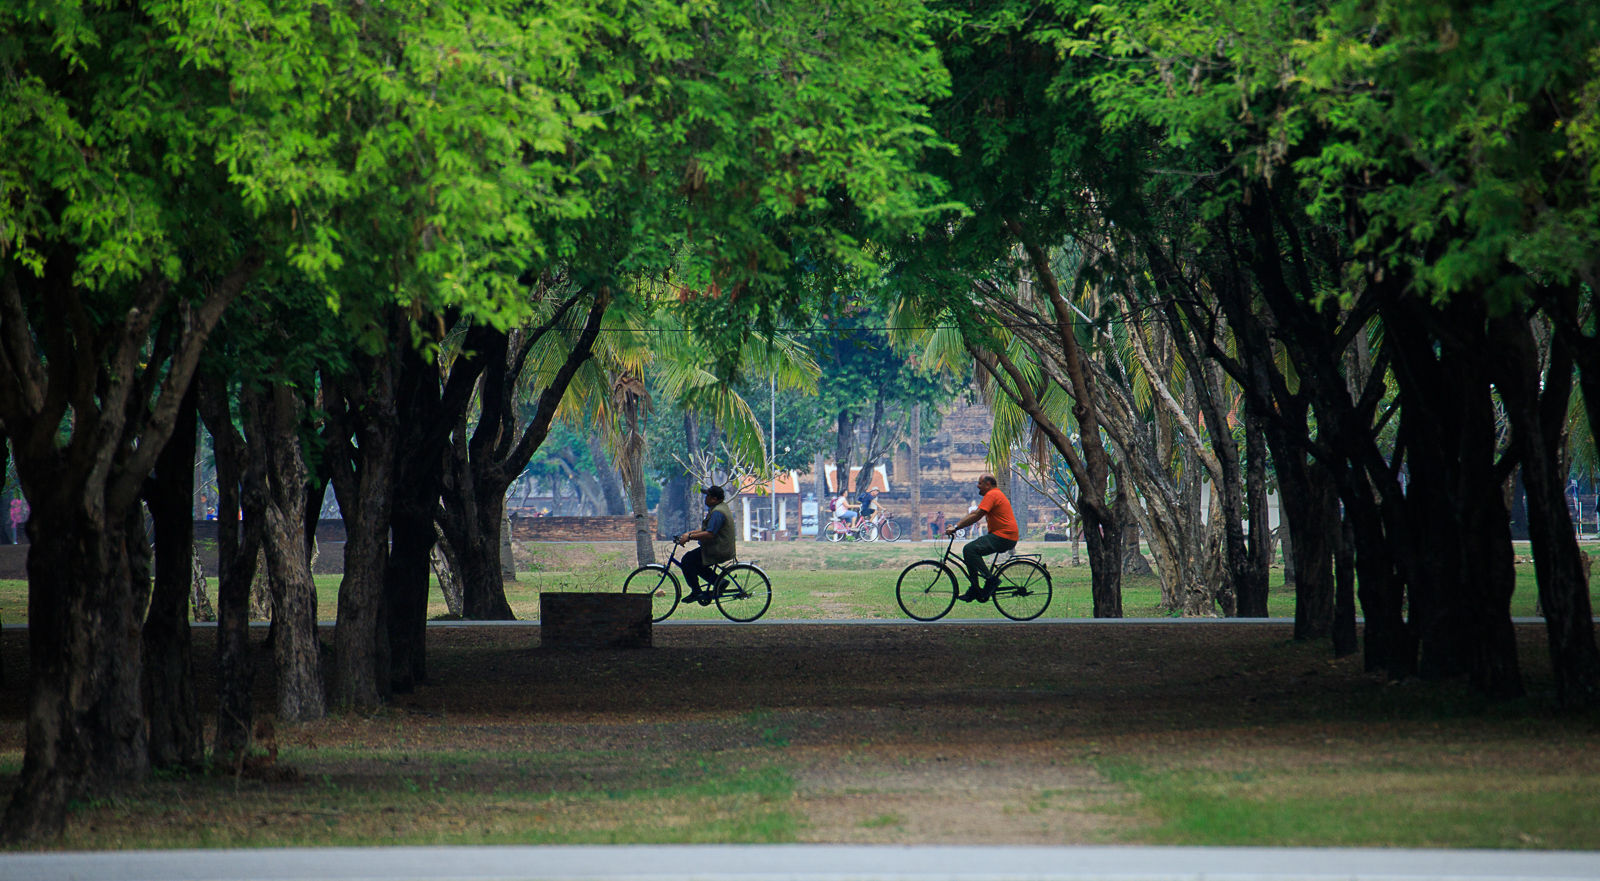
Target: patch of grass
(768, 731)
(1442, 805)
(658, 800)
(883, 821)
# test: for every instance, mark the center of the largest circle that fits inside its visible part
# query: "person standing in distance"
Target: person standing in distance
(717, 545)
(995, 508)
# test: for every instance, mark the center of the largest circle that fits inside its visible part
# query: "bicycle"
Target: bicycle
(927, 589)
(859, 529)
(741, 591)
(885, 527)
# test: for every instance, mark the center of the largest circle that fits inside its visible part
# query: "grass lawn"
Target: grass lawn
(817, 581)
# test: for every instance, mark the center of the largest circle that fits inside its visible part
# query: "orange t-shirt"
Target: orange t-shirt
(996, 510)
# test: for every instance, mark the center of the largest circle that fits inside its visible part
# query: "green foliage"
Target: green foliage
(804, 140)
(1468, 113)
(1457, 139)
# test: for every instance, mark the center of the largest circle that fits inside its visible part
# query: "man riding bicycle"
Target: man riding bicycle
(1003, 536)
(717, 545)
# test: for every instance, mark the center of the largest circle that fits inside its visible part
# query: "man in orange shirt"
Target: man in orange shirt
(1003, 535)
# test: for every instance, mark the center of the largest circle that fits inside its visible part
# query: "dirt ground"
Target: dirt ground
(900, 732)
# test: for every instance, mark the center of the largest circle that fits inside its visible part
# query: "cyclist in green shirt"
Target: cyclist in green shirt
(717, 545)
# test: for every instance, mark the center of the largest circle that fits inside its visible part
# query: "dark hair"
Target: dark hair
(715, 492)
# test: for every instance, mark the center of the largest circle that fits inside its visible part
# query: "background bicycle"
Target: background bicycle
(741, 591)
(877, 527)
(927, 589)
(856, 530)
(885, 527)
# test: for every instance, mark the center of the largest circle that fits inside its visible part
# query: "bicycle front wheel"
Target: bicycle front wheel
(744, 593)
(662, 586)
(926, 590)
(888, 530)
(1024, 590)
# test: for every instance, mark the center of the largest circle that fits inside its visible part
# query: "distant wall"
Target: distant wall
(327, 531)
(575, 528)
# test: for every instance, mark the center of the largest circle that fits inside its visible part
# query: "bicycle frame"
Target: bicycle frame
(955, 560)
(857, 527)
(719, 571)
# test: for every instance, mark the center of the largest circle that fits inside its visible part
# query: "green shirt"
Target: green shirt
(720, 546)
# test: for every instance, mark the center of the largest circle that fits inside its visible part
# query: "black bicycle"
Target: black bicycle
(927, 589)
(741, 591)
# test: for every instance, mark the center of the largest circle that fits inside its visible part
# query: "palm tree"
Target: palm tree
(649, 345)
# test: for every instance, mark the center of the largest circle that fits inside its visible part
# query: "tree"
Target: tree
(870, 385)
(484, 462)
(111, 194)
(1019, 168)
(1475, 116)
(1407, 127)
(164, 155)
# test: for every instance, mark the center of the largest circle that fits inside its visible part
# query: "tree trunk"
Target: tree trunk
(1286, 542)
(483, 465)
(824, 509)
(844, 448)
(238, 544)
(444, 568)
(1253, 594)
(363, 409)
(1133, 562)
(1315, 513)
(691, 493)
(670, 515)
(508, 557)
(1537, 407)
(273, 423)
(1345, 642)
(1103, 541)
(7, 536)
(86, 729)
(1458, 561)
(473, 533)
(914, 527)
(408, 562)
(610, 480)
(482, 590)
(427, 405)
(644, 549)
(177, 739)
(1249, 597)
(643, 541)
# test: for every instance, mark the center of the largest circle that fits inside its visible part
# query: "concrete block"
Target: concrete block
(594, 620)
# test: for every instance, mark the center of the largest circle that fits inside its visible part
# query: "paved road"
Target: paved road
(804, 863)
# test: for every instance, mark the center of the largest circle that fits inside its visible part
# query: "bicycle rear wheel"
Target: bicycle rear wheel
(662, 586)
(743, 593)
(1024, 590)
(926, 590)
(889, 530)
(835, 535)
